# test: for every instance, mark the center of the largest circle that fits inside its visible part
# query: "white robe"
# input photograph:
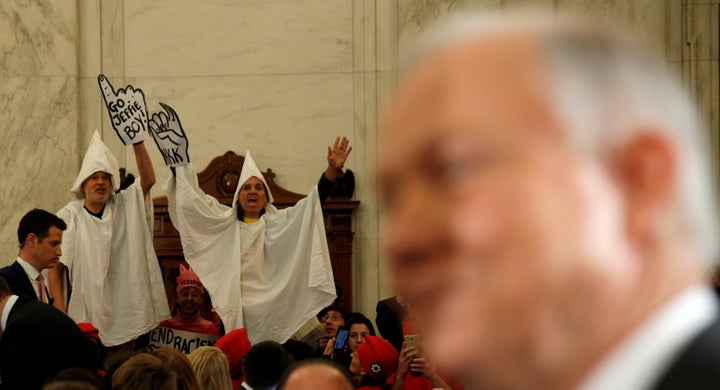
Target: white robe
(270, 276)
(114, 272)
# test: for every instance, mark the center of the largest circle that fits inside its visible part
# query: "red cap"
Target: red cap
(89, 329)
(234, 345)
(378, 357)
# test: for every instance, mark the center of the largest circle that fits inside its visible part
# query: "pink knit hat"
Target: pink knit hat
(188, 278)
(378, 357)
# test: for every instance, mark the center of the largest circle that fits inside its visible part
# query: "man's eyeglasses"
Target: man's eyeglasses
(333, 317)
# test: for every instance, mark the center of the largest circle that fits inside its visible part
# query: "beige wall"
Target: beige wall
(279, 77)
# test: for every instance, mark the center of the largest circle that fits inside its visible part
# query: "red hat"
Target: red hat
(378, 357)
(89, 329)
(188, 278)
(234, 345)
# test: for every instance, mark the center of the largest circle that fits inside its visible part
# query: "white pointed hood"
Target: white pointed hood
(97, 158)
(249, 170)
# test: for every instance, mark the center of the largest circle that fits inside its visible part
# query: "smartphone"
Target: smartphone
(412, 340)
(341, 339)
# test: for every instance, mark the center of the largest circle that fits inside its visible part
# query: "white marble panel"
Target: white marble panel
(364, 36)
(38, 154)
(112, 38)
(8, 250)
(702, 31)
(706, 83)
(365, 152)
(226, 37)
(386, 37)
(415, 16)
(674, 38)
(92, 112)
(365, 275)
(38, 38)
(386, 279)
(287, 121)
(645, 17)
(89, 28)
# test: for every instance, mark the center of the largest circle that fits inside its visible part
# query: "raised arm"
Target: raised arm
(337, 154)
(55, 278)
(145, 168)
(336, 159)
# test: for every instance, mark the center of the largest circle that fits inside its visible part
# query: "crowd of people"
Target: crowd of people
(551, 225)
(263, 272)
(72, 354)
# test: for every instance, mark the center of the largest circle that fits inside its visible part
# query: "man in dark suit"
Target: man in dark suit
(37, 341)
(40, 238)
(550, 212)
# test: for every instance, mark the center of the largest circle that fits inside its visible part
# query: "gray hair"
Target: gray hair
(606, 88)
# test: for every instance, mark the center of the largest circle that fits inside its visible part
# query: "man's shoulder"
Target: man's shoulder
(388, 304)
(70, 210)
(697, 365)
(36, 311)
(11, 270)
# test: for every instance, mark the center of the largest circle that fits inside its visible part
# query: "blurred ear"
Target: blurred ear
(646, 169)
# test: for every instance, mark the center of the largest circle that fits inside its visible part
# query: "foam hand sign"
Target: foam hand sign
(127, 109)
(169, 136)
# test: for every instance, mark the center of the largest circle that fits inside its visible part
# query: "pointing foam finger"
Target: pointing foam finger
(106, 88)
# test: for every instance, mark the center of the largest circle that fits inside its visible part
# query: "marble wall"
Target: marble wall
(38, 110)
(279, 77)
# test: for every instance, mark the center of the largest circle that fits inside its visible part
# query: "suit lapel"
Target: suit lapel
(24, 281)
(698, 366)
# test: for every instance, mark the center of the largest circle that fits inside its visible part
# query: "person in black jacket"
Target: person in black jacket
(40, 238)
(37, 341)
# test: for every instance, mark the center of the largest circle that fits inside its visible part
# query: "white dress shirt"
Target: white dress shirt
(6, 311)
(32, 274)
(642, 358)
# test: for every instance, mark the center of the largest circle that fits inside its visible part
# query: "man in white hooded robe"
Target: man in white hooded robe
(108, 250)
(266, 270)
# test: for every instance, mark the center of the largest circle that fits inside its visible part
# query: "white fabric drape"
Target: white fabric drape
(270, 276)
(114, 272)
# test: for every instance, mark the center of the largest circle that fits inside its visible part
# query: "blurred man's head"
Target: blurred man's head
(545, 189)
(316, 374)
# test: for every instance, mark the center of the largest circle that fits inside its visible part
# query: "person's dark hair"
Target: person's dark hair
(338, 309)
(299, 350)
(38, 222)
(359, 318)
(339, 295)
(76, 378)
(264, 364)
(311, 362)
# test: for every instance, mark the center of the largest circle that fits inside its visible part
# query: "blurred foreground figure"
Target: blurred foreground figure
(550, 212)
